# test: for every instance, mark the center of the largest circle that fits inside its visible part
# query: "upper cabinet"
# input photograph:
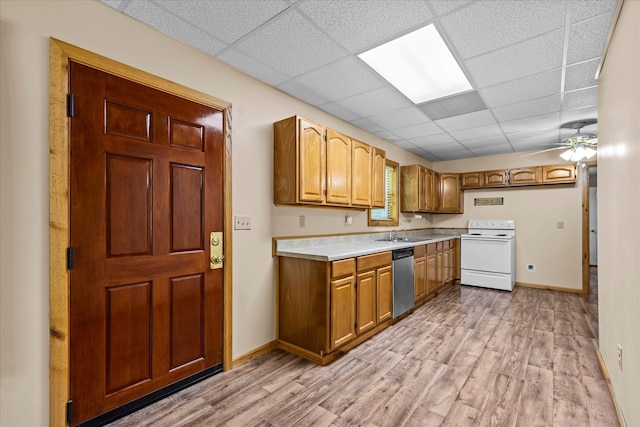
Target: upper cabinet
(338, 168)
(559, 173)
(471, 179)
(314, 165)
(496, 178)
(451, 198)
(378, 184)
(425, 190)
(525, 176)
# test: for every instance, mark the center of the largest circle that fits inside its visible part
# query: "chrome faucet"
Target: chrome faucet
(393, 234)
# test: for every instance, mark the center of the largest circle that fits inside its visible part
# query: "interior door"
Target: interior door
(146, 191)
(593, 226)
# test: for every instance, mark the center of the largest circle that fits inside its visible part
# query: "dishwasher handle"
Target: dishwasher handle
(401, 253)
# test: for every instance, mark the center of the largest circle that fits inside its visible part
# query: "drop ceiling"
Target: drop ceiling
(531, 62)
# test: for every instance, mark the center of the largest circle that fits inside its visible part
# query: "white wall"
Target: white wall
(556, 253)
(24, 185)
(619, 210)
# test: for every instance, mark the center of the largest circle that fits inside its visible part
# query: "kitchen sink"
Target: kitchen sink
(404, 239)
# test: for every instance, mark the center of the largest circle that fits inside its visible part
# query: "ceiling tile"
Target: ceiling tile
(580, 98)
(404, 144)
(431, 140)
(360, 25)
(533, 107)
(342, 79)
(340, 111)
(545, 121)
(422, 153)
(466, 121)
(581, 75)
(443, 148)
(367, 125)
(477, 132)
(530, 87)
(417, 131)
(116, 4)
(588, 38)
(491, 150)
(400, 118)
(443, 6)
(523, 59)
(584, 9)
(250, 66)
(221, 20)
(300, 91)
(376, 101)
(173, 26)
(290, 45)
(455, 155)
(543, 136)
(486, 141)
(489, 25)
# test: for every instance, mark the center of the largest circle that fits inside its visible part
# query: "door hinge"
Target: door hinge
(70, 412)
(70, 258)
(70, 105)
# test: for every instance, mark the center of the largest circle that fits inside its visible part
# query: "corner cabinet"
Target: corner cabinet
(324, 307)
(420, 189)
(314, 165)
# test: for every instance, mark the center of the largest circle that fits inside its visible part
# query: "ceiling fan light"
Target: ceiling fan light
(567, 155)
(589, 152)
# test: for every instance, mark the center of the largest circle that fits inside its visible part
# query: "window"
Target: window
(387, 216)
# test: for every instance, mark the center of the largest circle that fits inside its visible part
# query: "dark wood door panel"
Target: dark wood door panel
(146, 174)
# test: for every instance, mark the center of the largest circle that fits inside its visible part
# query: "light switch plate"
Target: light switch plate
(242, 222)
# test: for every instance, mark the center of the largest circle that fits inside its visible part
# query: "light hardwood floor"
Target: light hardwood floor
(470, 357)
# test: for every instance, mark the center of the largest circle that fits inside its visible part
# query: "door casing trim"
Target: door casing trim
(60, 53)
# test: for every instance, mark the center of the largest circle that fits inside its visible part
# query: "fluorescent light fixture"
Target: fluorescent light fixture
(419, 65)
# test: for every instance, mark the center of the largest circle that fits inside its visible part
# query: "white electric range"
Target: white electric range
(488, 254)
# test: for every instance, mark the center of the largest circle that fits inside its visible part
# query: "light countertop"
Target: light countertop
(328, 251)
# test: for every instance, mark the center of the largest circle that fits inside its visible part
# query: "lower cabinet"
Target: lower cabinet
(419, 273)
(326, 306)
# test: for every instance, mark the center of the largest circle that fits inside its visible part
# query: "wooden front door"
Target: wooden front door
(146, 176)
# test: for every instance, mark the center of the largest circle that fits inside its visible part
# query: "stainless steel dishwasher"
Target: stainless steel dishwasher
(402, 280)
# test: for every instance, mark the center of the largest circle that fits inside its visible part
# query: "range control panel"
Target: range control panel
(492, 224)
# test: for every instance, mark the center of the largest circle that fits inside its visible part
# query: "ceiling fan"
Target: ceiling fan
(579, 146)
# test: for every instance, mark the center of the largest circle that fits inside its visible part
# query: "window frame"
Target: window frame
(394, 209)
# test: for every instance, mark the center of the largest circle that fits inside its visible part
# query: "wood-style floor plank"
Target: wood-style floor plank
(469, 357)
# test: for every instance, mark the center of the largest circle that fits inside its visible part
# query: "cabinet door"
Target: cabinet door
(432, 273)
(361, 155)
(440, 269)
(525, 176)
(343, 311)
(419, 278)
(432, 191)
(338, 168)
(450, 200)
(558, 173)
(497, 178)
(378, 181)
(312, 171)
(384, 282)
(423, 189)
(366, 306)
(471, 179)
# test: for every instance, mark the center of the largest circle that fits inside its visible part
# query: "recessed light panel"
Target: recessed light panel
(419, 65)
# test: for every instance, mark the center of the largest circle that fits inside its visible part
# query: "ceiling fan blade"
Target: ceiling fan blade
(544, 151)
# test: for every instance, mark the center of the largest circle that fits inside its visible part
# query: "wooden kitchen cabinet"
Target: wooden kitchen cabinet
(496, 178)
(326, 306)
(432, 268)
(558, 174)
(451, 196)
(338, 168)
(378, 181)
(471, 179)
(384, 287)
(420, 189)
(361, 173)
(419, 273)
(525, 176)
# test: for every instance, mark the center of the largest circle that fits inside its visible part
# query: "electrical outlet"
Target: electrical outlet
(301, 221)
(620, 356)
(531, 268)
(560, 225)
(348, 220)
(242, 223)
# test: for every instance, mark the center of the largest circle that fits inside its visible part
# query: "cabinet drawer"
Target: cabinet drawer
(446, 244)
(432, 248)
(343, 267)
(419, 251)
(440, 246)
(368, 262)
